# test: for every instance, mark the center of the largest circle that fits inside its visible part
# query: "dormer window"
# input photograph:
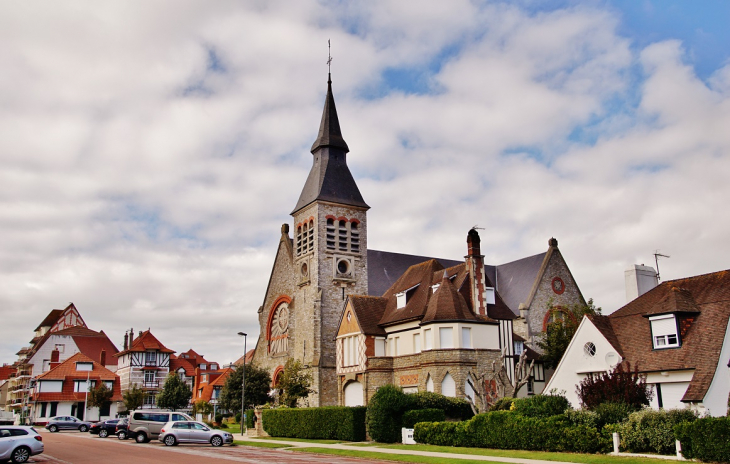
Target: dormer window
(664, 331)
(84, 366)
(404, 297)
(490, 295)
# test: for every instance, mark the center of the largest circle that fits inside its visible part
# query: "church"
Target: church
(359, 318)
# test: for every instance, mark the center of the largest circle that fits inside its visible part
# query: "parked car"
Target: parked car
(104, 428)
(121, 429)
(67, 423)
(145, 425)
(18, 443)
(176, 432)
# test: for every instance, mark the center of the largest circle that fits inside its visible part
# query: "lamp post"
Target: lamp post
(243, 384)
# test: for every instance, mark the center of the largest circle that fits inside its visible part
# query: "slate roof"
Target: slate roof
(702, 304)
(330, 179)
(368, 310)
(145, 342)
(384, 268)
(515, 280)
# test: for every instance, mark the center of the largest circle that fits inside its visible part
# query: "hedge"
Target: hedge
(507, 430)
(454, 408)
(541, 405)
(385, 414)
(706, 439)
(651, 431)
(410, 418)
(249, 418)
(327, 423)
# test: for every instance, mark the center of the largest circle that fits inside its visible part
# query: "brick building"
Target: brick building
(326, 259)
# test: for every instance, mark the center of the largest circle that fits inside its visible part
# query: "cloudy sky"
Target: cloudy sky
(151, 150)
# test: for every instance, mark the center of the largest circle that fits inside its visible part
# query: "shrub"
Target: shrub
(541, 405)
(706, 439)
(410, 418)
(328, 423)
(612, 413)
(652, 431)
(582, 417)
(249, 418)
(219, 418)
(507, 430)
(385, 414)
(622, 385)
(502, 404)
(454, 408)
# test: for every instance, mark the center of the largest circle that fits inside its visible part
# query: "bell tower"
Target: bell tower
(329, 252)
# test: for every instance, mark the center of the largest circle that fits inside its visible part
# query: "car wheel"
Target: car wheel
(170, 440)
(216, 441)
(53, 428)
(83, 428)
(21, 454)
(140, 438)
(103, 433)
(122, 435)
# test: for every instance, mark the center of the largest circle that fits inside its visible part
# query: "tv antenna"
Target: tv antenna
(657, 255)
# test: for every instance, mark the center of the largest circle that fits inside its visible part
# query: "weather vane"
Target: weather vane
(329, 56)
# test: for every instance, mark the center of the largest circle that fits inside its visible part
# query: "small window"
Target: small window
(466, 337)
(427, 339)
(664, 331)
(589, 349)
(203, 366)
(519, 346)
(446, 337)
(84, 366)
(491, 298)
(60, 348)
(417, 343)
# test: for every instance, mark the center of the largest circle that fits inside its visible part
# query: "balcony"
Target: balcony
(150, 364)
(151, 384)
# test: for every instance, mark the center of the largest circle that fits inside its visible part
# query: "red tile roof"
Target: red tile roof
(67, 372)
(50, 319)
(176, 363)
(6, 370)
(702, 306)
(146, 341)
(92, 346)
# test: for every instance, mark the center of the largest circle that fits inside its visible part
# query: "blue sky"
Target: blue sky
(152, 153)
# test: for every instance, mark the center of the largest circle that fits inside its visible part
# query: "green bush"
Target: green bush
(502, 404)
(541, 405)
(219, 418)
(326, 423)
(612, 413)
(507, 430)
(249, 418)
(410, 418)
(582, 417)
(706, 439)
(238, 417)
(385, 414)
(454, 408)
(652, 431)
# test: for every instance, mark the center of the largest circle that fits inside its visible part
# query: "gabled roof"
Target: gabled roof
(249, 357)
(50, 319)
(516, 279)
(92, 346)
(384, 268)
(6, 370)
(177, 362)
(702, 305)
(417, 282)
(145, 342)
(368, 311)
(194, 358)
(67, 370)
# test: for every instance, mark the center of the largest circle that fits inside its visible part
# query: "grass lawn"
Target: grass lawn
(258, 444)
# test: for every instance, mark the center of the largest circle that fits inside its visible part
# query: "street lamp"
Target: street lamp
(243, 384)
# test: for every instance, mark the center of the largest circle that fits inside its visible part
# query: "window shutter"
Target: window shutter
(665, 325)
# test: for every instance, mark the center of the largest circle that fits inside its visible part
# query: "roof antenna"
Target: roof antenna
(477, 228)
(656, 260)
(329, 59)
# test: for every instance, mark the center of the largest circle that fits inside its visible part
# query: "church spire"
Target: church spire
(329, 129)
(330, 179)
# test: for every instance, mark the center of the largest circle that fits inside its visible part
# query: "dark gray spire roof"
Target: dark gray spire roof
(330, 179)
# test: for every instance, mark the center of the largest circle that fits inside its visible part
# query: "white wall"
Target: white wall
(44, 352)
(576, 364)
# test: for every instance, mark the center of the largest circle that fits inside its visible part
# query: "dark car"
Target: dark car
(121, 430)
(104, 428)
(67, 423)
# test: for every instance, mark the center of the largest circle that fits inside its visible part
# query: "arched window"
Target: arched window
(311, 235)
(299, 240)
(354, 237)
(277, 329)
(353, 394)
(342, 235)
(448, 386)
(331, 234)
(429, 383)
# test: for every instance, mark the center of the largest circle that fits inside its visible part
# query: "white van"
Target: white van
(145, 424)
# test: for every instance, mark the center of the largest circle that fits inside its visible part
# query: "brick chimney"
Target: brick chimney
(131, 337)
(475, 268)
(102, 357)
(125, 341)
(55, 356)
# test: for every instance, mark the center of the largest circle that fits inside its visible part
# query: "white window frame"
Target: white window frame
(416, 342)
(466, 337)
(427, 339)
(446, 337)
(664, 331)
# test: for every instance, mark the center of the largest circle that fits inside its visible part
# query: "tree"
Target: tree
(202, 407)
(490, 385)
(133, 398)
(258, 384)
(561, 329)
(621, 385)
(100, 397)
(175, 394)
(294, 383)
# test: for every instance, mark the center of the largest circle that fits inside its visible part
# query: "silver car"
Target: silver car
(176, 432)
(67, 423)
(18, 443)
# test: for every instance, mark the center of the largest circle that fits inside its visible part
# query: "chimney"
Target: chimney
(125, 341)
(102, 357)
(131, 337)
(475, 268)
(639, 280)
(55, 356)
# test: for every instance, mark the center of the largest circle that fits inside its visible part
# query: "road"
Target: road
(84, 448)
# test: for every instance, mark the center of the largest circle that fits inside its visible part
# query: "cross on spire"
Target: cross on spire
(329, 57)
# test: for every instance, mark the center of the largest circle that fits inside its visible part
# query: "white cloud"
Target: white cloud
(151, 153)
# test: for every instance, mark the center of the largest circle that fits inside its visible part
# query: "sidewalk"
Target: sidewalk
(376, 449)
